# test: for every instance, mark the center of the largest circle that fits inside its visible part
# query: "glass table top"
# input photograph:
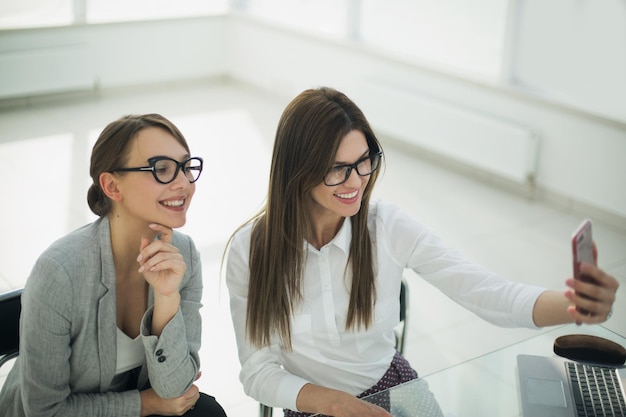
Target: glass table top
(483, 386)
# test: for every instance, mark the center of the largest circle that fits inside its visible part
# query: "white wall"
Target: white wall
(581, 156)
(127, 54)
(559, 44)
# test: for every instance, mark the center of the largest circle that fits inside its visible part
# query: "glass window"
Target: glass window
(467, 36)
(318, 16)
(461, 34)
(16, 14)
(41, 13)
(103, 11)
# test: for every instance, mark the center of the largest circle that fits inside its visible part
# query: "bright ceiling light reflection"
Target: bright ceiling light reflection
(234, 180)
(38, 177)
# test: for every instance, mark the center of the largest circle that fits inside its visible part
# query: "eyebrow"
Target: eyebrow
(185, 157)
(363, 155)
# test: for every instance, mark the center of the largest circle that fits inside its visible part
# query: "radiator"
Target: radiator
(494, 145)
(59, 69)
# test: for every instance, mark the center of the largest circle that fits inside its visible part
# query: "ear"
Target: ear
(108, 184)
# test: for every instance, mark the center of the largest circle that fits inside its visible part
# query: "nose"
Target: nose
(353, 179)
(180, 181)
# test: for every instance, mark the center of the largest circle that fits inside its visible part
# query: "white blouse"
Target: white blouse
(130, 352)
(324, 353)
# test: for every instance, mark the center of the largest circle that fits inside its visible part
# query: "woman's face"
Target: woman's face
(145, 198)
(343, 200)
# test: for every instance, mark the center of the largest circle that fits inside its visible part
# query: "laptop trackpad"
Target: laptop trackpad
(546, 392)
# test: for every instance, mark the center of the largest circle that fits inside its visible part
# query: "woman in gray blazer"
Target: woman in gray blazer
(110, 321)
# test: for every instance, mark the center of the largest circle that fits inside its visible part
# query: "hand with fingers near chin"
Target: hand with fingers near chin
(161, 263)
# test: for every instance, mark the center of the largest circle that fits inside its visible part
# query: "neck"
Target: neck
(323, 230)
(125, 243)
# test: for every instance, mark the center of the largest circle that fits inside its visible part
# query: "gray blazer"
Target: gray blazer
(68, 334)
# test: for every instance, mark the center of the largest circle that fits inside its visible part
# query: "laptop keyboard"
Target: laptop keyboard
(596, 390)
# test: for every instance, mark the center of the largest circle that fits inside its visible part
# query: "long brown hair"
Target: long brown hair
(110, 152)
(308, 136)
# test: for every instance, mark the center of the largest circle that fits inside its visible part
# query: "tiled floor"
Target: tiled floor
(44, 153)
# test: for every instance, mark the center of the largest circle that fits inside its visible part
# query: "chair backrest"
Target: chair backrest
(401, 329)
(10, 309)
(403, 300)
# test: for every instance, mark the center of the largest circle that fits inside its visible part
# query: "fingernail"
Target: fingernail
(141, 268)
(139, 258)
(152, 225)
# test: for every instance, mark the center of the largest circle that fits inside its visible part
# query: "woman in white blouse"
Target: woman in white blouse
(314, 278)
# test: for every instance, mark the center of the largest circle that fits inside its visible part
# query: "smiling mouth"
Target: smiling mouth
(173, 203)
(348, 196)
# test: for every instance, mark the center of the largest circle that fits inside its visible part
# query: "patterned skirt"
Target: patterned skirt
(399, 371)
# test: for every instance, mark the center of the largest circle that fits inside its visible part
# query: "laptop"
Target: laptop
(551, 387)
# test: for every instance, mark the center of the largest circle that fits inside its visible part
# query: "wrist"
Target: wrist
(173, 297)
(165, 308)
(147, 402)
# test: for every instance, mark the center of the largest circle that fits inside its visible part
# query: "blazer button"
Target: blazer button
(161, 359)
(159, 352)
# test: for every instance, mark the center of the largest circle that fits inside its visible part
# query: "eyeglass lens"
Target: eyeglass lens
(340, 174)
(166, 170)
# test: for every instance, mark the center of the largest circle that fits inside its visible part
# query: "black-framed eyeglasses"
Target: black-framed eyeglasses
(165, 169)
(364, 166)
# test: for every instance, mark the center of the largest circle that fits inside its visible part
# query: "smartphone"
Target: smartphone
(582, 248)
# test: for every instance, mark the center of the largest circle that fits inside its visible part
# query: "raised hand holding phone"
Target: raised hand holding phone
(596, 289)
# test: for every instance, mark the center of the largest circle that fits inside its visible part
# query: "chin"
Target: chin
(175, 224)
(178, 225)
(350, 213)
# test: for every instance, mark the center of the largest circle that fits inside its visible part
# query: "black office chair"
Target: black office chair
(265, 411)
(400, 331)
(10, 309)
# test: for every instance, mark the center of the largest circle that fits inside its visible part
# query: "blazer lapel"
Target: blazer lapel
(107, 317)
